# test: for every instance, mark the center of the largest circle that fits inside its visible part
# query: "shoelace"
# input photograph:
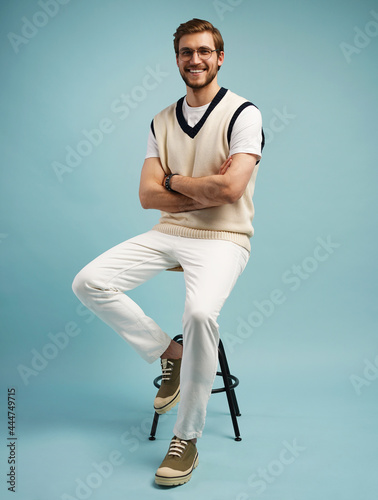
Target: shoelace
(167, 371)
(177, 447)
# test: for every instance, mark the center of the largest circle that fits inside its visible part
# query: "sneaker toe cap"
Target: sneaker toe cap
(168, 472)
(162, 402)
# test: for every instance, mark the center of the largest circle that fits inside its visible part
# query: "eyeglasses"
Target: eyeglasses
(203, 53)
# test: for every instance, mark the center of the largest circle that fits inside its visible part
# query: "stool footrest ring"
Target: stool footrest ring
(234, 382)
(229, 384)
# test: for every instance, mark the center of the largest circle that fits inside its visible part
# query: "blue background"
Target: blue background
(307, 365)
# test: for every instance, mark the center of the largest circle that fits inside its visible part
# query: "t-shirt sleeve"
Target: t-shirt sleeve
(152, 147)
(246, 136)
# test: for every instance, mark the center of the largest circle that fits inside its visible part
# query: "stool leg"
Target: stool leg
(227, 369)
(154, 426)
(230, 399)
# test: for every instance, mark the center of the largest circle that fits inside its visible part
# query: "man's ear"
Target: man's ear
(220, 58)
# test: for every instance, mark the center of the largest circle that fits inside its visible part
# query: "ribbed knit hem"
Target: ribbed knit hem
(188, 232)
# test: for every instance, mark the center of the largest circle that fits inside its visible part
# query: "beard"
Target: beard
(209, 78)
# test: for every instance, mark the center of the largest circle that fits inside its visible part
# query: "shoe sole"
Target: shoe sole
(169, 405)
(176, 481)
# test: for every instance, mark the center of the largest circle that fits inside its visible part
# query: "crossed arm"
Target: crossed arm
(195, 193)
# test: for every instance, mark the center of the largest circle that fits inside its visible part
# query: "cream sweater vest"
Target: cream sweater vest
(200, 151)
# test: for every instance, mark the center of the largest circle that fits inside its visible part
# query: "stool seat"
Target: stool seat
(229, 384)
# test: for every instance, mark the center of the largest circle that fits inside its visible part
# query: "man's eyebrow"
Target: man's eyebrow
(202, 47)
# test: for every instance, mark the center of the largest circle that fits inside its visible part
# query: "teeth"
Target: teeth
(196, 70)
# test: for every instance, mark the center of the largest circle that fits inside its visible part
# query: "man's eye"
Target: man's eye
(204, 52)
(186, 52)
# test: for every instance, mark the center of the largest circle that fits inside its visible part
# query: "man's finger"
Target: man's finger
(225, 166)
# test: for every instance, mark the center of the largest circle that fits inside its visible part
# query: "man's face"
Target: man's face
(197, 73)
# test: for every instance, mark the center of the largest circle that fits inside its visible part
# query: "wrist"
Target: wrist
(167, 182)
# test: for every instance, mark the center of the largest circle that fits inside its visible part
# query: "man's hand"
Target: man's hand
(195, 193)
(223, 169)
(153, 194)
(225, 166)
(226, 187)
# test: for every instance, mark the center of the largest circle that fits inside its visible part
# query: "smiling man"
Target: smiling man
(200, 169)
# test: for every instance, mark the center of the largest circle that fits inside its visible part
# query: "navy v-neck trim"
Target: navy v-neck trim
(193, 131)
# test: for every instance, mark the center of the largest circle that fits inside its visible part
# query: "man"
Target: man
(200, 170)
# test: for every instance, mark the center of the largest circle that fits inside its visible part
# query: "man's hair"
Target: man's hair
(197, 26)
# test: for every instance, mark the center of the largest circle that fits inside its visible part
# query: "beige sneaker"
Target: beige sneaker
(178, 464)
(169, 393)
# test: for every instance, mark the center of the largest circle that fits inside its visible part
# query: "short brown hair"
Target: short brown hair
(197, 26)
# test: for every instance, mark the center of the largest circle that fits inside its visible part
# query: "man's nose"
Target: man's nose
(195, 57)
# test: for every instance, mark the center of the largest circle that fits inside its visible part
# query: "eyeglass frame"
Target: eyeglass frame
(197, 50)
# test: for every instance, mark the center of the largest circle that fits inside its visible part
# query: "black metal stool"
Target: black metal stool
(229, 381)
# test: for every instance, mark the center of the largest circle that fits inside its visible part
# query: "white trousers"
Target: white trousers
(211, 268)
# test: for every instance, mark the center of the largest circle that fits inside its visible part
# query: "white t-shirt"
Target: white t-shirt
(246, 136)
